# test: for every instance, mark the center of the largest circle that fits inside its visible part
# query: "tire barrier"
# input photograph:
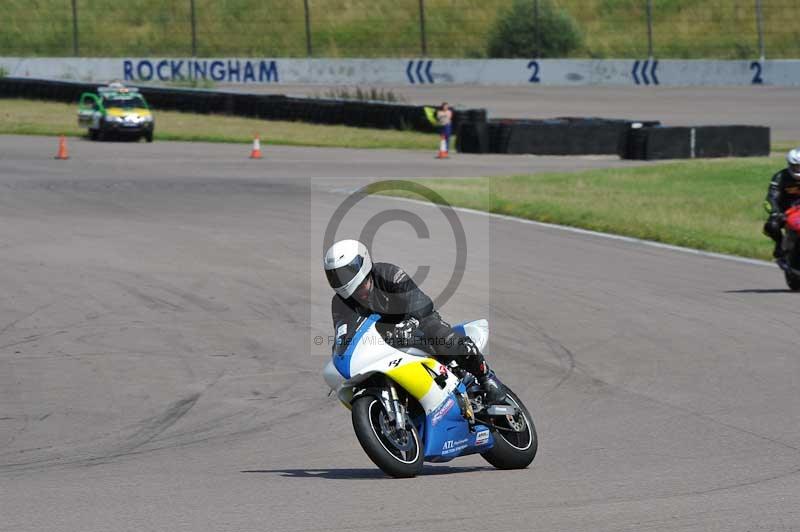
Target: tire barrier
(557, 136)
(629, 139)
(650, 143)
(369, 114)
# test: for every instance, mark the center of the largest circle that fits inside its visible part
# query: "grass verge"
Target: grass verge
(33, 117)
(713, 205)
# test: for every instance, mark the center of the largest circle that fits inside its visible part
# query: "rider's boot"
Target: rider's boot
(495, 392)
(777, 253)
(475, 363)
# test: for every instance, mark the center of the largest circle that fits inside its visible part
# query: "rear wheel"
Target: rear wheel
(792, 280)
(148, 136)
(94, 134)
(515, 438)
(396, 451)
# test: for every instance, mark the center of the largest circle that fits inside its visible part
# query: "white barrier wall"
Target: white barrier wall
(644, 72)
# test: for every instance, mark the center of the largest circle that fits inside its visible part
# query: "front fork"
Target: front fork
(392, 405)
(398, 411)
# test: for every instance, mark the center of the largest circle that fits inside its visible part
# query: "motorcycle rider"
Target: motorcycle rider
(363, 287)
(784, 191)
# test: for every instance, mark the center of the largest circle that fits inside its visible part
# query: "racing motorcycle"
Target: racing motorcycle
(790, 261)
(408, 408)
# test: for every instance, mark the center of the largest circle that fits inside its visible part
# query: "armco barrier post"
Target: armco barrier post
(423, 37)
(75, 28)
(308, 28)
(537, 36)
(760, 24)
(194, 28)
(650, 28)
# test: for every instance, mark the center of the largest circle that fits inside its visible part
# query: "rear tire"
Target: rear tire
(148, 136)
(792, 281)
(379, 443)
(514, 450)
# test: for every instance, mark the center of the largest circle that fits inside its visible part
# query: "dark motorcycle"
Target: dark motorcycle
(790, 260)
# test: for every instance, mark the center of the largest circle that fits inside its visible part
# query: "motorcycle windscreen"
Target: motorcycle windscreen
(356, 342)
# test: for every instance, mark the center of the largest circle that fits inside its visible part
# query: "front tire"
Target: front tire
(397, 453)
(513, 450)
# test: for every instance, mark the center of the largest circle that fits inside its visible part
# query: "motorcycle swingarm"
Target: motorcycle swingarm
(485, 416)
(501, 410)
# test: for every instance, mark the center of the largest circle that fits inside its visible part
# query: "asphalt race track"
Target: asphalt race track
(158, 366)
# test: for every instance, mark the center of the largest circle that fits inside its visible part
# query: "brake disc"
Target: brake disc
(401, 439)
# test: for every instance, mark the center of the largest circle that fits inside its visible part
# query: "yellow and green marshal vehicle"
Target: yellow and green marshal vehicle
(115, 110)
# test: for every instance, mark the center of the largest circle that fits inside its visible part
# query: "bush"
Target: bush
(364, 95)
(515, 34)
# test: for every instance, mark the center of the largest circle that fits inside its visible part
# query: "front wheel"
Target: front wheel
(396, 452)
(515, 439)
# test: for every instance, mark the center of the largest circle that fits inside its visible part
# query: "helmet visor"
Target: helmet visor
(344, 274)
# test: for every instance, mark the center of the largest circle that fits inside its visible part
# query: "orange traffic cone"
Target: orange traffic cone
(62, 148)
(256, 153)
(442, 148)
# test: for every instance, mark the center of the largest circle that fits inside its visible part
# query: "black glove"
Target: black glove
(402, 333)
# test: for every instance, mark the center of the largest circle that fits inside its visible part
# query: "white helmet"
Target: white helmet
(347, 264)
(793, 159)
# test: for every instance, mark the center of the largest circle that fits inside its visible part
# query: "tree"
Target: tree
(515, 32)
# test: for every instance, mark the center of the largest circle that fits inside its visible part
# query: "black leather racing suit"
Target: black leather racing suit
(396, 297)
(784, 192)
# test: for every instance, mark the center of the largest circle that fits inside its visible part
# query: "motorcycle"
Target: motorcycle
(407, 408)
(790, 261)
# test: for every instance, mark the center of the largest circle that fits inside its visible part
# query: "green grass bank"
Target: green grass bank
(383, 28)
(713, 205)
